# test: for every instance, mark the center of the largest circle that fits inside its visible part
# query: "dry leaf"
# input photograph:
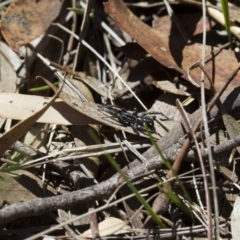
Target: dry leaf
(174, 52)
(20, 106)
(235, 220)
(22, 186)
(186, 55)
(150, 39)
(25, 20)
(8, 75)
(108, 227)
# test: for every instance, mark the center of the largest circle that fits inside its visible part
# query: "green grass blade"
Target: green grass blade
(43, 88)
(79, 11)
(168, 191)
(225, 11)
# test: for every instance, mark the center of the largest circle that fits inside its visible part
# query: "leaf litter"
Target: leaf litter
(20, 23)
(143, 44)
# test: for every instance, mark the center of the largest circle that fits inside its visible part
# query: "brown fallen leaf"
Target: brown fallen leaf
(173, 52)
(192, 23)
(22, 186)
(20, 106)
(150, 39)
(186, 55)
(25, 20)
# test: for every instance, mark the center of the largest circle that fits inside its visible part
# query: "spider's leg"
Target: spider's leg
(122, 120)
(135, 113)
(135, 129)
(162, 124)
(110, 112)
(159, 121)
(111, 108)
(158, 113)
(124, 110)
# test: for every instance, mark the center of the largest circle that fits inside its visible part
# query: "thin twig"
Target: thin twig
(190, 129)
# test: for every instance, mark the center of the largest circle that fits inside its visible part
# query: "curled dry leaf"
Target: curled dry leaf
(25, 20)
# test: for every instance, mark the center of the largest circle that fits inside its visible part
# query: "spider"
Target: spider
(135, 120)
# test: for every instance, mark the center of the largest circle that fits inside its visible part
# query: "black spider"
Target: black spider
(135, 120)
